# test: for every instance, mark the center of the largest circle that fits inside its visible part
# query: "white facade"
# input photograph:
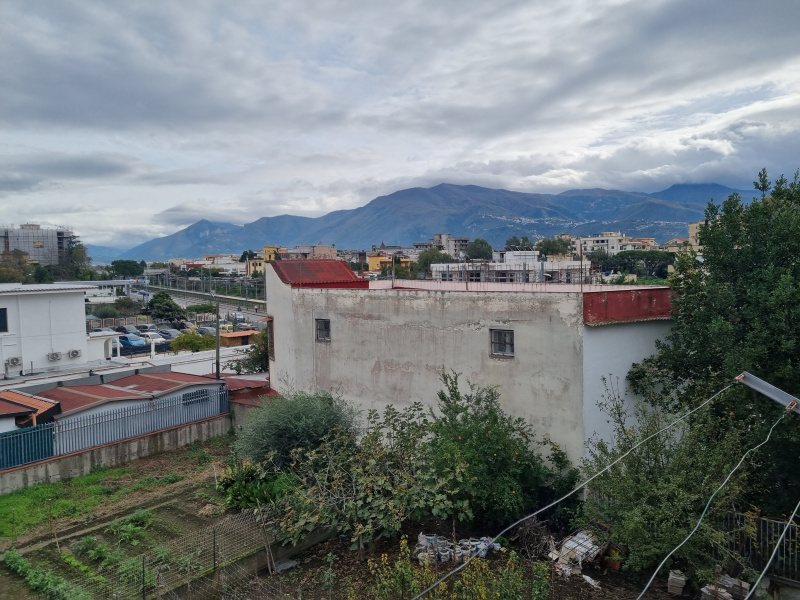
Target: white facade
(389, 346)
(612, 242)
(42, 326)
(517, 271)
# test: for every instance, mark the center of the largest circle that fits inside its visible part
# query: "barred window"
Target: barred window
(502, 342)
(323, 330)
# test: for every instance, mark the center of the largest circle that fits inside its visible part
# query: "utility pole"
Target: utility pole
(218, 374)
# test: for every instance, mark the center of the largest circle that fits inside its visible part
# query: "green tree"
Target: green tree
(479, 249)
(430, 256)
(74, 264)
(644, 262)
(162, 306)
(16, 266)
(255, 358)
(9, 275)
(193, 342)
(738, 310)
(523, 242)
(126, 268)
(247, 255)
(128, 307)
(602, 259)
(553, 246)
(106, 311)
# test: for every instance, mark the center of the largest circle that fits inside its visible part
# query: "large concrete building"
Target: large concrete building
(546, 346)
(42, 245)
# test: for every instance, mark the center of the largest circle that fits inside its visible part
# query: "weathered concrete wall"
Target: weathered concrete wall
(609, 351)
(390, 346)
(111, 455)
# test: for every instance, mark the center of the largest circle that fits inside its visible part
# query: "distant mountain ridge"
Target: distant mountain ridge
(416, 214)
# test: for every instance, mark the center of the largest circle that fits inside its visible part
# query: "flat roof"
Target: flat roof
(19, 288)
(161, 383)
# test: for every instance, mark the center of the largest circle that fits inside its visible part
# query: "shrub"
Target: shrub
(298, 420)
(247, 485)
(505, 476)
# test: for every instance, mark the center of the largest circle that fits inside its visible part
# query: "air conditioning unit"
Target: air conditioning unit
(74, 353)
(14, 361)
(54, 356)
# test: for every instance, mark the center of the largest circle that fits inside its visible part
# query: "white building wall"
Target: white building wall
(390, 346)
(609, 351)
(41, 323)
(8, 424)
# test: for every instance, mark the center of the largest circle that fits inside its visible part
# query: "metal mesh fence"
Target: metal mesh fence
(219, 561)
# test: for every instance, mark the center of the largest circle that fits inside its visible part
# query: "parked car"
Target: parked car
(153, 336)
(128, 329)
(244, 327)
(148, 327)
(130, 340)
(185, 325)
(224, 326)
(103, 330)
(169, 334)
(207, 331)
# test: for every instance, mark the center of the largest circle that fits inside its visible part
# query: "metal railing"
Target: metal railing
(754, 538)
(69, 435)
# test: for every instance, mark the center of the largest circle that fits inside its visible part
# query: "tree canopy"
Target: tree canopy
(553, 246)
(738, 309)
(479, 249)
(126, 268)
(430, 256)
(518, 242)
(162, 306)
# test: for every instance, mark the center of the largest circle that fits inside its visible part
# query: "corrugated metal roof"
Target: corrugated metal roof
(159, 383)
(37, 404)
(316, 273)
(237, 334)
(627, 306)
(10, 409)
(78, 397)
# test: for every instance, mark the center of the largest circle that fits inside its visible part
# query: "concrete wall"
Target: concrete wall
(40, 323)
(609, 351)
(390, 346)
(112, 455)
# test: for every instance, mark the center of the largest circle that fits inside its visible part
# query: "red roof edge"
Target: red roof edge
(318, 273)
(627, 306)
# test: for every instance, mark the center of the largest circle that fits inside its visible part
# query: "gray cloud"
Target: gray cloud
(233, 111)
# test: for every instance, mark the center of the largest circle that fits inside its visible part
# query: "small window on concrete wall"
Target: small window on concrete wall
(323, 330)
(502, 342)
(3, 320)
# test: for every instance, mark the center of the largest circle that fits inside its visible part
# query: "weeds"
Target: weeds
(44, 583)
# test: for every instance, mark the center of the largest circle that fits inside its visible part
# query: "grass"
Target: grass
(23, 510)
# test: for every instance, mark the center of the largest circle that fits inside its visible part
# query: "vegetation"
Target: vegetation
(193, 342)
(162, 306)
(202, 308)
(430, 256)
(297, 420)
(644, 263)
(42, 582)
(106, 311)
(479, 249)
(553, 246)
(128, 307)
(254, 359)
(522, 242)
(126, 268)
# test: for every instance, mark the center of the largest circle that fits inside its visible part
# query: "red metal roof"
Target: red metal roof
(10, 409)
(78, 397)
(317, 273)
(627, 306)
(38, 405)
(159, 383)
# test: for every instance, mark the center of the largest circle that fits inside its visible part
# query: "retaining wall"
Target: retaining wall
(111, 455)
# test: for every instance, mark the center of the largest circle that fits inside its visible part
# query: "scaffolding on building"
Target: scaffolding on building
(43, 245)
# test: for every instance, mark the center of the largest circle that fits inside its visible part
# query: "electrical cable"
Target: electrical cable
(703, 514)
(774, 552)
(576, 489)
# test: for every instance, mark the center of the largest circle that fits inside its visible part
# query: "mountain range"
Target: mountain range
(416, 214)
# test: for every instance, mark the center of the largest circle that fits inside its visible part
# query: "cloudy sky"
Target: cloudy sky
(130, 120)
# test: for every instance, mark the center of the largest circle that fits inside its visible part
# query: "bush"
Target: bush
(298, 420)
(193, 342)
(248, 485)
(505, 476)
(107, 311)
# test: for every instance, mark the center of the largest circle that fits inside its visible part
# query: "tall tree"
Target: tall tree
(126, 268)
(553, 246)
(738, 310)
(430, 256)
(162, 306)
(479, 249)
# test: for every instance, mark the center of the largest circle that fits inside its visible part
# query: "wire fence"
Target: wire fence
(221, 561)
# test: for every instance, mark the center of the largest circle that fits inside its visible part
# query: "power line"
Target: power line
(576, 489)
(774, 552)
(700, 520)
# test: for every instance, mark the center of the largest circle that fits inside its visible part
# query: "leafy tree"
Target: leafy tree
(738, 310)
(513, 241)
(74, 264)
(430, 256)
(41, 274)
(523, 242)
(162, 306)
(296, 420)
(644, 262)
(9, 275)
(254, 359)
(193, 342)
(202, 308)
(126, 268)
(555, 246)
(247, 255)
(504, 475)
(127, 307)
(106, 311)
(479, 249)
(16, 266)
(763, 184)
(602, 259)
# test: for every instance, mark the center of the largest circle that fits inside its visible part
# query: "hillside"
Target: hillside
(416, 214)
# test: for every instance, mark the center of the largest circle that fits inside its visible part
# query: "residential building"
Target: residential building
(43, 327)
(548, 347)
(310, 252)
(454, 246)
(678, 245)
(43, 245)
(270, 252)
(694, 236)
(255, 265)
(612, 242)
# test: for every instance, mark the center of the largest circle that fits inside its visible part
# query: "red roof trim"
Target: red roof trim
(317, 273)
(627, 306)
